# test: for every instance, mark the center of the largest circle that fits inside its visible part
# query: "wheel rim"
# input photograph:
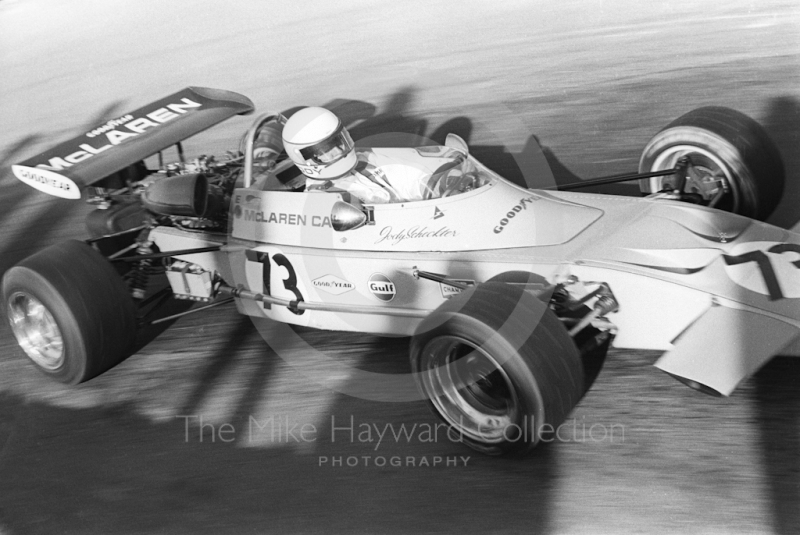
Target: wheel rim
(36, 330)
(470, 390)
(708, 168)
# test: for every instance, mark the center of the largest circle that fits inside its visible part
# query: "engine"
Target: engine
(188, 195)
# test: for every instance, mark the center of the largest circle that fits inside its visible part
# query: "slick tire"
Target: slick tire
(497, 366)
(723, 142)
(70, 311)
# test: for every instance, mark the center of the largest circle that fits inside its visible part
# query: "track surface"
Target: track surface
(591, 80)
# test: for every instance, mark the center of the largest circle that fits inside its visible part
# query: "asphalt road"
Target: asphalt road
(128, 452)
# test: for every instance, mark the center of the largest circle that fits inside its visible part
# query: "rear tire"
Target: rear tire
(498, 367)
(70, 311)
(724, 142)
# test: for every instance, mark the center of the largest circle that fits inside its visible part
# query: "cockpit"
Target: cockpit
(433, 172)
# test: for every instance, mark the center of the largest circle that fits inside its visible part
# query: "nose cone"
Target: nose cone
(345, 216)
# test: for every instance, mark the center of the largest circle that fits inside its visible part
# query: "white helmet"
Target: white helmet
(319, 144)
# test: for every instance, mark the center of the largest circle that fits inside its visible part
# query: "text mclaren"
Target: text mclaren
(119, 130)
(286, 219)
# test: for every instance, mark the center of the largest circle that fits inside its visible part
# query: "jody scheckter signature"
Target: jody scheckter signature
(388, 234)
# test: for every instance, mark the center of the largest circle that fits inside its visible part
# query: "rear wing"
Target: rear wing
(67, 169)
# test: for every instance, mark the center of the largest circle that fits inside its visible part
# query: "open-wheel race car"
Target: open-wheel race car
(507, 292)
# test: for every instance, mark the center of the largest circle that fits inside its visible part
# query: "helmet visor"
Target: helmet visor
(330, 150)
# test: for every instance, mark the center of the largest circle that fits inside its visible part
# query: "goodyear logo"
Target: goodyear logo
(47, 181)
(333, 284)
(382, 287)
(523, 205)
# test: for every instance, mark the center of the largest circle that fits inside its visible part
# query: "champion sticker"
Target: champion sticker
(449, 291)
(381, 287)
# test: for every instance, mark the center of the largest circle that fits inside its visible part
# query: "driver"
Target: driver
(321, 147)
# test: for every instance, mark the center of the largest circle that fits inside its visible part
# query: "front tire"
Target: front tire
(720, 142)
(498, 367)
(70, 311)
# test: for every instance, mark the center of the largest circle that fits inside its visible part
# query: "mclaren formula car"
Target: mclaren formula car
(508, 293)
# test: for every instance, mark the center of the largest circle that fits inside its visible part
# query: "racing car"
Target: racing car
(508, 293)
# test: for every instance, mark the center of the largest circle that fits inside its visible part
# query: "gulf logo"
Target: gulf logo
(382, 287)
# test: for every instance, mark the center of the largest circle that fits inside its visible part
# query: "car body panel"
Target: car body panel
(726, 345)
(498, 215)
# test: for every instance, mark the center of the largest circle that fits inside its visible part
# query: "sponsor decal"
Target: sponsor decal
(279, 218)
(437, 213)
(47, 182)
(523, 205)
(117, 131)
(109, 126)
(382, 287)
(333, 285)
(388, 234)
(449, 291)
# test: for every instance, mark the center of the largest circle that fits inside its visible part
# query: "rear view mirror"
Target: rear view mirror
(345, 216)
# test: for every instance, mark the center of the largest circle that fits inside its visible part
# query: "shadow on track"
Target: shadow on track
(395, 127)
(777, 394)
(127, 475)
(778, 410)
(238, 339)
(18, 193)
(475, 498)
(782, 122)
(51, 212)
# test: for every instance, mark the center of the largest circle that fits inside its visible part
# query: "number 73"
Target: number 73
(761, 259)
(290, 282)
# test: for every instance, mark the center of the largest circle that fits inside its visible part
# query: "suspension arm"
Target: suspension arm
(324, 307)
(613, 179)
(166, 254)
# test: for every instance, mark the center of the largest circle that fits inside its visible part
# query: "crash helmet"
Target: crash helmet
(319, 144)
